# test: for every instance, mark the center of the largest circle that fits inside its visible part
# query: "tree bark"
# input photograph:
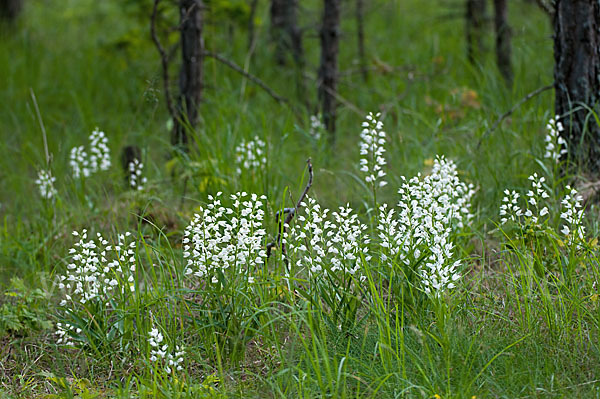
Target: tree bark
(10, 9)
(190, 75)
(475, 17)
(285, 32)
(361, 38)
(503, 45)
(328, 69)
(277, 28)
(577, 78)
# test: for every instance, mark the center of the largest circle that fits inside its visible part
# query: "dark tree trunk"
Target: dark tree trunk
(190, 76)
(475, 18)
(251, 18)
(10, 9)
(328, 69)
(361, 38)
(576, 76)
(503, 46)
(285, 32)
(277, 29)
(129, 154)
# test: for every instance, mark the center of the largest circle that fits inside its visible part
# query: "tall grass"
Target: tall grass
(522, 320)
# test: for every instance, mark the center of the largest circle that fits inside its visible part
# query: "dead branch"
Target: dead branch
(547, 7)
(290, 212)
(164, 58)
(344, 101)
(512, 110)
(249, 76)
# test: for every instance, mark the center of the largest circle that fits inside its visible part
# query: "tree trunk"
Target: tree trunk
(361, 38)
(190, 75)
(576, 76)
(10, 9)
(277, 29)
(285, 32)
(503, 46)
(328, 69)
(475, 17)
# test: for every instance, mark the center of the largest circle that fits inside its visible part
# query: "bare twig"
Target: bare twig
(42, 127)
(290, 212)
(548, 8)
(344, 101)
(249, 76)
(513, 109)
(164, 58)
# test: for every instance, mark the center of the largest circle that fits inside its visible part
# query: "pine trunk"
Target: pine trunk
(190, 75)
(328, 69)
(503, 46)
(576, 76)
(475, 17)
(285, 32)
(10, 9)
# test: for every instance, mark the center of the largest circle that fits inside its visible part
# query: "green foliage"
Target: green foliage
(24, 309)
(522, 321)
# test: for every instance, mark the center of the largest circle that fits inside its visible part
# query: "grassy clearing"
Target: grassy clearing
(522, 321)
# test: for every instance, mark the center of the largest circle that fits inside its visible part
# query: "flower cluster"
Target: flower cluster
(79, 162)
(159, 352)
(99, 152)
(85, 165)
(572, 215)
(321, 245)
(571, 212)
(511, 210)
(136, 180)
(220, 238)
(250, 155)
(65, 331)
(45, 183)
(308, 242)
(430, 210)
(98, 270)
(556, 146)
(348, 241)
(316, 127)
(371, 151)
(393, 236)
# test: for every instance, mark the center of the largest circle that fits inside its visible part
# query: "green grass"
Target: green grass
(508, 330)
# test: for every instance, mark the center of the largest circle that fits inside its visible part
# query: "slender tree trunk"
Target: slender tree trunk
(577, 77)
(277, 29)
(10, 9)
(190, 75)
(361, 38)
(294, 32)
(328, 69)
(475, 17)
(503, 46)
(251, 26)
(285, 32)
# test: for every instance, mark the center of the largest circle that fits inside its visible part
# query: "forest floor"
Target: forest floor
(522, 320)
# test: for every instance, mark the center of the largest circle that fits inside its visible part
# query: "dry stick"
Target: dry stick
(41, 122)
(164, 58)
(291, 212)
(548, 8)
(344, 101)
(513, 109)
(339, 97)
(249, 76)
